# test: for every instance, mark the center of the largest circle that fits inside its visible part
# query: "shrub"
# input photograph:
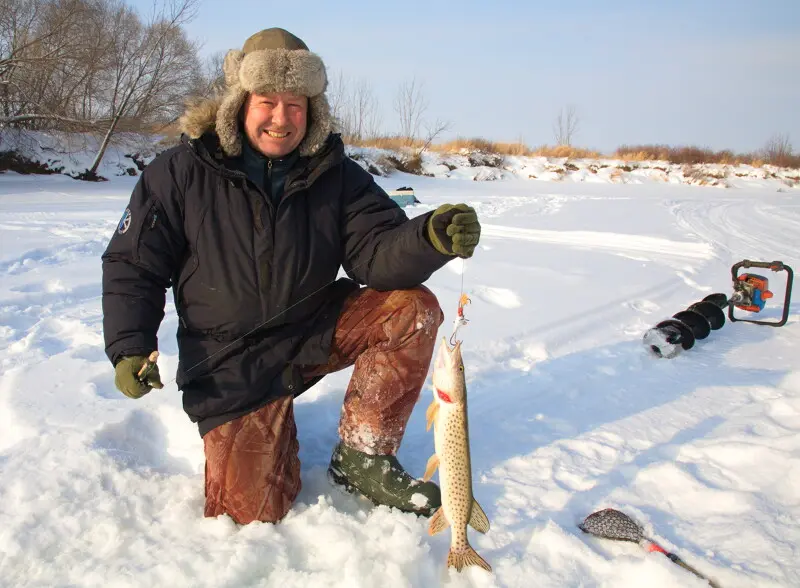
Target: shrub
(474, 144)
(776, 153)
(561, 151)
(390, 143)
(13, 161)
(411, 164)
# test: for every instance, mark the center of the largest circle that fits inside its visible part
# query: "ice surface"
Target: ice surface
(569, 413)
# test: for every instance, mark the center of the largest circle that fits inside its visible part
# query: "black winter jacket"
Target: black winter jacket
(254, 285)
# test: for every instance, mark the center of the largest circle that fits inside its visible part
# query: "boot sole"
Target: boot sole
(338, 479)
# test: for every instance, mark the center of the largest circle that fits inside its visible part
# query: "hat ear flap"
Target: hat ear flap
(230, 66)
(227, 123)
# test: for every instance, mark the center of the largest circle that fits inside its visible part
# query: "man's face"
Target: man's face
(275, 124)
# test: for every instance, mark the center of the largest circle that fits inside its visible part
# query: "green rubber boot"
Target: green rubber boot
(382, 479)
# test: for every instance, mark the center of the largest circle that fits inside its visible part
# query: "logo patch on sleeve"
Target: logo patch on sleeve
(125, 222)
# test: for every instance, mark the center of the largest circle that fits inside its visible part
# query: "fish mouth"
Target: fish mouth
(442, 356)
(447, 352)
(451, 345)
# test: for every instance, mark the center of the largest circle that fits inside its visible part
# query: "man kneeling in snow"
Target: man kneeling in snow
(249, 220)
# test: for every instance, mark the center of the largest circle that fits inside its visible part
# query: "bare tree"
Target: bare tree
(410, 105)
(366, 117)
(39, 41)
(146, 60)
(338, 98)
(355, 107)
(173, 74)
(69, 88)
(209, 81)
(432, 133)
(89, 64)
(566, 125)
(778, 149)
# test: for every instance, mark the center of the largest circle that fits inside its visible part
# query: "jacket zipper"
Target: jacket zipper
(289, 189)
(273, 227)
(266, 200)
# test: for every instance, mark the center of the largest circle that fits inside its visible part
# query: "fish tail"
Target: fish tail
(466, 557)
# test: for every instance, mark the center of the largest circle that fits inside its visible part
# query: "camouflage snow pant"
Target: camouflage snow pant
(252, 465)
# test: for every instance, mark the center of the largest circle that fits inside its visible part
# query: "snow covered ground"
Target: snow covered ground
(568, 412)
(480, 166)
(73, 154)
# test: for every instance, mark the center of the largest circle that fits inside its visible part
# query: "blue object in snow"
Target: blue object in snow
(404, 196)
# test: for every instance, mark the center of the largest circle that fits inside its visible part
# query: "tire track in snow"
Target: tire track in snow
(618, 243)
(741, 228)
(530, 345)
(53, 256)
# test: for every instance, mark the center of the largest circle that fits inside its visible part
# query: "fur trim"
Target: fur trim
(199, 117)
(221, 116)
(227, 121)
(230, 66)
(264, 71)
(320, 125)
(282, 70)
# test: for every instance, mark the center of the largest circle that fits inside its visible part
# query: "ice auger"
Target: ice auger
(750, 293)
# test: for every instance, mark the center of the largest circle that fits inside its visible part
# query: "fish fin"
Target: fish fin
(430, 414)
(433, 463)
(478, 519)
(467, 557)
(438, 522)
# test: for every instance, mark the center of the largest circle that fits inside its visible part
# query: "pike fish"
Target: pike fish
(448, 415)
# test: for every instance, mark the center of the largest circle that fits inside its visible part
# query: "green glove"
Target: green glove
(453, 229)
(127, 381)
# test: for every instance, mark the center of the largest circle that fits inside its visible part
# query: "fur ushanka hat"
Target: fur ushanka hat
(272, 60)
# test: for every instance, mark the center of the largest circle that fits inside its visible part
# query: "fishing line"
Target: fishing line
(463, 300)
(269, 320)
(314, 293)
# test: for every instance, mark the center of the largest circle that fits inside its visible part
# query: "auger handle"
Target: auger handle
(775, 266)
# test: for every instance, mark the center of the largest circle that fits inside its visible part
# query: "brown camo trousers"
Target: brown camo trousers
(252, 468)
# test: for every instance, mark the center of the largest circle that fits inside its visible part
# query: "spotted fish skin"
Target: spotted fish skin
(448, 415)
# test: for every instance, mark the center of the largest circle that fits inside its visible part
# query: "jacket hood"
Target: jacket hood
(216, 115)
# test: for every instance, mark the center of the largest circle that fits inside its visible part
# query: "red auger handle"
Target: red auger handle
(776, 266)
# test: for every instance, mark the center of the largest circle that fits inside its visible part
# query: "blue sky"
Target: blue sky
(721, 74)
